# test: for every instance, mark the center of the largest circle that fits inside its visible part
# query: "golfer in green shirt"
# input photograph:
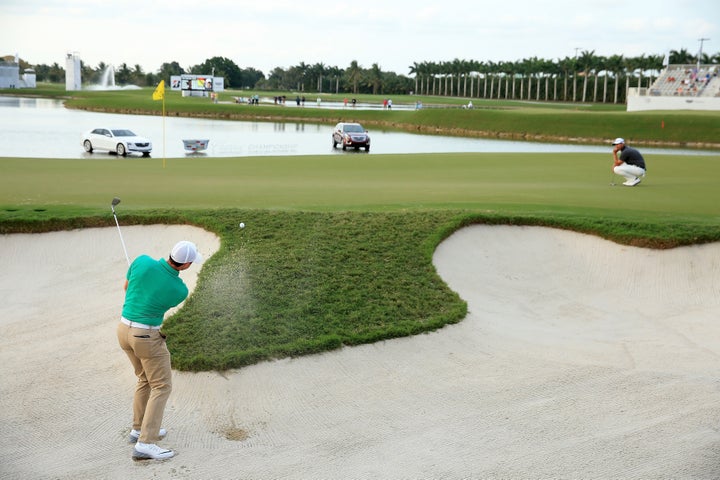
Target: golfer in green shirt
(152, 287)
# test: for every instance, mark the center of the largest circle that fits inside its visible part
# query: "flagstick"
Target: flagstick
(159, 94)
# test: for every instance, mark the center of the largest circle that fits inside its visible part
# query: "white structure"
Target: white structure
(28, 79)
(73, 80)
(679, 87)
(10, 75)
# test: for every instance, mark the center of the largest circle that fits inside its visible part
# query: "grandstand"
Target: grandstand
(679, 87)
(687, 81)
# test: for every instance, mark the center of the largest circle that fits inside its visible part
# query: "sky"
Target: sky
(395, 34)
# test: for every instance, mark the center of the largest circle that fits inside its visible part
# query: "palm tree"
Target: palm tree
(533, 68)
(445, 71)
(489, 67)
(354, 73)
(455, 70)
(464, 71)
(575, 75)
(558, 74)
(494, 74)
(616, 66)
(137, 75)
(598, 66)
(585, 62)
(303, 70)
(317, 71)
(631, 66)
(122, 75)
(654, 64)
(479, 68)
(432, 70)
(414, 70)
(549, 69)
(474, 67)
(566, 65)
(375, 78)
(336, 73)
(640, 65)
(682, 57)
(508, 69)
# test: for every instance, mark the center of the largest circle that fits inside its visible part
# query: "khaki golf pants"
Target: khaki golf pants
(150, 358)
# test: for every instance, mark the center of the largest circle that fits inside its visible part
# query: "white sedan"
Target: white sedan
(118, 140)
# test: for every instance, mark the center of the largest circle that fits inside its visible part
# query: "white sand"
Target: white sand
(579, 358)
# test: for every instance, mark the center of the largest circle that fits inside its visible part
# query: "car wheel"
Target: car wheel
(146, 154)
(121, 150)
(344, 147)
(87, 144)
(334, 143)
(367, 148)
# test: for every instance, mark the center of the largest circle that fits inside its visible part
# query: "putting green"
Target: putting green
(570, 182)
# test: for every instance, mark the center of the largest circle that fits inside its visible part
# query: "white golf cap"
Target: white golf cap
(185, 252)
(618, 141)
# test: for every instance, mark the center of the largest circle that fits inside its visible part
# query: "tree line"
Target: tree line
(584, 78)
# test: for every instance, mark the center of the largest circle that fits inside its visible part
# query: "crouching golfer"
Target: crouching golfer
(629, 163)
(152, 287)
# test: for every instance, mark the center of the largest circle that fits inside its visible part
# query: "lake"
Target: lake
(44, 128)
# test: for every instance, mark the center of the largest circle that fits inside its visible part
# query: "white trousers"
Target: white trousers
(630, 172)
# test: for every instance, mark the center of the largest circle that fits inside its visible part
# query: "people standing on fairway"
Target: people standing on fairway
(629, 163)
(152, 287)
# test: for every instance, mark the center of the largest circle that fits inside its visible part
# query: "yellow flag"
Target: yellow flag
(159, 92)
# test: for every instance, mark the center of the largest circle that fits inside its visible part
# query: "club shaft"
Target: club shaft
(127, 257)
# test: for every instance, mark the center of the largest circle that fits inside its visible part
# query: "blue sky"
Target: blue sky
(264, 34)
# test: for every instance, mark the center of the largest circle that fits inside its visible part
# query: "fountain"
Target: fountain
(107, 81)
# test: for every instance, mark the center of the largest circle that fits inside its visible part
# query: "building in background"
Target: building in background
(10, 75)
(73, 79)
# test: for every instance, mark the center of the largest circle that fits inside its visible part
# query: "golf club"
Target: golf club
(114, 202)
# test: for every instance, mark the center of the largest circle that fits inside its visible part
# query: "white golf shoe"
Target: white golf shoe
(150, 451)
(135, 435)
(632, 183)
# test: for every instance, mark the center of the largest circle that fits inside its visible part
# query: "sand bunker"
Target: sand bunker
(579, 358)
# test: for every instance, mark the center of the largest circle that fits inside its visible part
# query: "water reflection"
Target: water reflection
(21, 102)
(43, 128)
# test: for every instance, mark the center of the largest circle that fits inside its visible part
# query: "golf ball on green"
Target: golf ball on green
(242, 225)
